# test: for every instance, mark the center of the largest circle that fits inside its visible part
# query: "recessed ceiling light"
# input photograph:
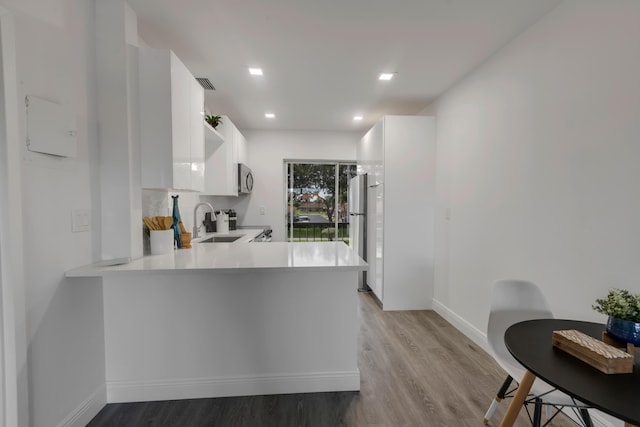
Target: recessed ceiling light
(386, 76)
(357, 118)
(255, 71)
(269, 115)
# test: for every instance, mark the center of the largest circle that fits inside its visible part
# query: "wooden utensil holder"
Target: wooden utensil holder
(185, 239)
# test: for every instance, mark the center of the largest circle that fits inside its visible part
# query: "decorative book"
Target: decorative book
(596, 353)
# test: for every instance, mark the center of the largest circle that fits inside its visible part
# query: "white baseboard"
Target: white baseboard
(86, 410)
(480, 338)
(473, 333)
(135, 391)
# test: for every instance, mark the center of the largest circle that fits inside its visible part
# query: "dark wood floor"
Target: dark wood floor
(415, 368)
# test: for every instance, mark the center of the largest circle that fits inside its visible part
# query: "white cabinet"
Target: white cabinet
(211, 136)
(197, 135)
(370, 154)
(241, 147)
(222, 158)
(375, 228)
(370, 161)
(171, 132)
(398, 153)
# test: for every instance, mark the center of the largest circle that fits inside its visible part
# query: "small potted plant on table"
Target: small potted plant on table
(623, 309)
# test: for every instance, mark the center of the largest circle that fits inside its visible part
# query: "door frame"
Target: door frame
(13, 348)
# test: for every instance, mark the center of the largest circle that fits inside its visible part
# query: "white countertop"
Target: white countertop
(239, 255)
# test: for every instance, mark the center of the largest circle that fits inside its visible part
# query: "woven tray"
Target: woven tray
(601, 356)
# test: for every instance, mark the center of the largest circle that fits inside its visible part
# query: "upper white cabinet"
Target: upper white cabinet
(222, 158)
(197, 135)
(370, 154)
(241, 147)
(398, 153)
(171, 131)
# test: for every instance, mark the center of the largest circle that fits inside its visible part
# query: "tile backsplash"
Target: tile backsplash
(160, 203)
(155, 203)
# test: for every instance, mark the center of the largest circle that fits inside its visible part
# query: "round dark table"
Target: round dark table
(615, 394)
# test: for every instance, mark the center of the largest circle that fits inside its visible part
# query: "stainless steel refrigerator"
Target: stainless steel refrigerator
(357, 210)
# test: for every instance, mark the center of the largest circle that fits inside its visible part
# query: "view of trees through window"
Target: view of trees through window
(317, 195)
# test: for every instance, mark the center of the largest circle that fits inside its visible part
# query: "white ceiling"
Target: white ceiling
(321, 58)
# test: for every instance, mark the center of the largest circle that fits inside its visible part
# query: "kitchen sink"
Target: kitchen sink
(222, 239)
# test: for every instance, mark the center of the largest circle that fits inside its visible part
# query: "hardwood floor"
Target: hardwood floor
(416, 370)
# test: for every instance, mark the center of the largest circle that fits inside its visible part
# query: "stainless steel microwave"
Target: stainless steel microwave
(245, 179)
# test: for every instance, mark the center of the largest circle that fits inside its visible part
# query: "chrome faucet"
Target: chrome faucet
(195, 211)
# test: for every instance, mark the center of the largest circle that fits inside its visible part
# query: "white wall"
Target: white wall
(538, 161)
(64, 322)
(267, 151)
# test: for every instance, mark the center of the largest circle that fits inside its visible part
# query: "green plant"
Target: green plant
(621, 304)
(214, 121)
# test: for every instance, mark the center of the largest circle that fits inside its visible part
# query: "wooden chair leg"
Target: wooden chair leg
(518, 400)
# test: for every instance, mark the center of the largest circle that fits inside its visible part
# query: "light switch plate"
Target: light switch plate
(80, 220)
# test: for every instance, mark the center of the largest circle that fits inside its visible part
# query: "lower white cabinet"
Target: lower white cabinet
(171, 132)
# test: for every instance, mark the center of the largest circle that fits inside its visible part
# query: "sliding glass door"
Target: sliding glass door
(316, 197)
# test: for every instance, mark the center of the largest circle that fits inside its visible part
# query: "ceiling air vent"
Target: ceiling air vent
(205, 83)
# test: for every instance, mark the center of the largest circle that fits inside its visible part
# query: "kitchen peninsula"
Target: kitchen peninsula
(229, 319)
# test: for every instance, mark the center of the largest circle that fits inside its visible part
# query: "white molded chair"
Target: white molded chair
(514, 301)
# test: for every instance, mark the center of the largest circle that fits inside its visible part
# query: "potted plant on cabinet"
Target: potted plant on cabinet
(214, 121)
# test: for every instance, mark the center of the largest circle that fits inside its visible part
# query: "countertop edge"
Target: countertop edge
(331, 256)
(102, 273)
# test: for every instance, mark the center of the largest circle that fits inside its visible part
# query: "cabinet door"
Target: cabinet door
(409, 194)
(197, 136)
(155, 118)
(181, 130)
(377, 152)
(171, 101)
(375, 202)
(241, 148)
(221, 162)
(379, 241)
(364, 156)
(215, 166)
(369, 154)
(233, 170)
